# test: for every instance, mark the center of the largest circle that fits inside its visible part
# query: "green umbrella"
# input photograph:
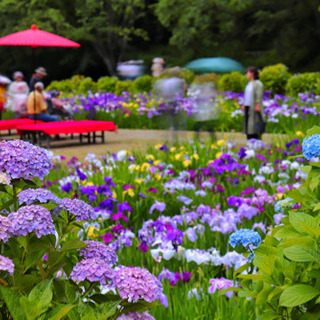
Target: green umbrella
(219, 64)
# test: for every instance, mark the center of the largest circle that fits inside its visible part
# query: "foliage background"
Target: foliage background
(254, 32)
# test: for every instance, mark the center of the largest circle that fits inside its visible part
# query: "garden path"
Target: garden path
(130, 139)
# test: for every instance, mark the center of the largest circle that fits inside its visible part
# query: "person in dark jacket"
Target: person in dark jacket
(39, 74)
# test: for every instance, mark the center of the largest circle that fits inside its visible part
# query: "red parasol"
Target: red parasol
(36, 38)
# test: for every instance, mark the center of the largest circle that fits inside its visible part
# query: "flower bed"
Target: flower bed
(138, 111)
(172, 211)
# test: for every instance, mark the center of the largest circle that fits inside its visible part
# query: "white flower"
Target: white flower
(122, 155)
(250, 153)
(4, 178)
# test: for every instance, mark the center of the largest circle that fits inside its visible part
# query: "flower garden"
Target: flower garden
(182, 232)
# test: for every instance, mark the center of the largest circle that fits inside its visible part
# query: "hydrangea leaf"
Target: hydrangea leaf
(301, 254)
(12, 301)
(297, 295)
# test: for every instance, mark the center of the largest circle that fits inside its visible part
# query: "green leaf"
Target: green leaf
(301, 254)
(303, 223)
(72, 245)
(12, 301)
(33, 258)
(297, 295)
(241, 269)
(30, 308)
(88, 314)
(312, 131)
(8, 203)
(106, 310)
(41, 294)
(59, 312)
(317, 207)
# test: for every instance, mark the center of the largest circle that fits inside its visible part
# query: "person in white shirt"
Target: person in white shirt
(18, 93)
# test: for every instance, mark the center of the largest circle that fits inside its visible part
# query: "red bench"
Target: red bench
(12, 124)
(85, 128)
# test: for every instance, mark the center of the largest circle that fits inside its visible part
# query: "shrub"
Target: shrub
(205, 78)
(123, 86)
(185, 74)
(305, 82)
(47, 273)
(86, 85)
(63, 85)
(143, 84)
(275, 78)
(107, 84)
(286, 284)
(234, 81)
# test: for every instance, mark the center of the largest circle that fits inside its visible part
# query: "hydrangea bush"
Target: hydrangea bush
(45, 272)
(285, 282)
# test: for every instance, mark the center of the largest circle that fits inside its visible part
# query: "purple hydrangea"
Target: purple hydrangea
(81, 210)
(137, 283)
(31, 219)
(136, 316)
(93, 270)
(4, 227)
(21, 159)
(30, 196)
(6, 264)
(96, 249)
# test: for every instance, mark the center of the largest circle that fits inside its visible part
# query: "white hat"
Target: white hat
(41, 70)
(39, 85)
(17, 74)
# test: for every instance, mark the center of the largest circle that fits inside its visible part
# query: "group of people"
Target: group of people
(30, 101)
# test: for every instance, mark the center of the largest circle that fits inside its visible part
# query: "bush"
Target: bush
(305, 82)
(275, 78)
(107, 84)
(143, 84)
(205, 78)
(123, 86)
(234, 81)
(63, 85)
(86, 85)
(185, 74)
(286, 285)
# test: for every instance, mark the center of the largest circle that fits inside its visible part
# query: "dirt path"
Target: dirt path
(138, 139)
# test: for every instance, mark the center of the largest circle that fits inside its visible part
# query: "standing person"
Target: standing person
(37, 108)
(18, 93)
(157, 67)
(39, 74)
(253, 106)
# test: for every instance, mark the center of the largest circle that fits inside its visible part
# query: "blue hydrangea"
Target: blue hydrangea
(245, 237)
(311, 146)
(281, 204)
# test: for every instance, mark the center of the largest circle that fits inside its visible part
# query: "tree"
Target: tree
(109, 25)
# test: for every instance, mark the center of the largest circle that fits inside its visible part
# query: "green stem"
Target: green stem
(14, 193)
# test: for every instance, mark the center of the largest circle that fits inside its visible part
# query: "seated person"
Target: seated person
(36, 106)
(58, 107)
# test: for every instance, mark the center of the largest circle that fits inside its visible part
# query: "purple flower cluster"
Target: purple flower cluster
(93, 270)
(6, 264)
(220, 284)
(96, 249)
(30, 196)
(4, 227)
(31, 219)
(21, 159)
(137, 283)
(81, 210)
(136, 316)
(174, 277)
